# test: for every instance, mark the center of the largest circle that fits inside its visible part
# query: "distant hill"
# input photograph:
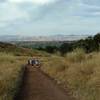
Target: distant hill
(18, 51)
(9, 38)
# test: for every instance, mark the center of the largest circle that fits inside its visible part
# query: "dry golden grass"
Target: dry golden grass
(10, 75)
(77, 55)
(78, 71)
(11, 71)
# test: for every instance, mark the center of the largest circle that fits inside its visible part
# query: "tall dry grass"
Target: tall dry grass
(11, 70)
(78, 71)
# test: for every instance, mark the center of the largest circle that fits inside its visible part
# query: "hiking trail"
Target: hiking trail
(38, 86)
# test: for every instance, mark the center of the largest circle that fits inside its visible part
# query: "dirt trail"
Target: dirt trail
(38, 86)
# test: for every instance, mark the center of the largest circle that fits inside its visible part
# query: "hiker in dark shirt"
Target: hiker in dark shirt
(33, 62)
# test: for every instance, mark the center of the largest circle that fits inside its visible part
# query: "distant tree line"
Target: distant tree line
(89, 44)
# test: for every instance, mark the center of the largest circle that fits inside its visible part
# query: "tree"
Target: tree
(50, 49)
(90, 45)
(97, 38)
(65, 47)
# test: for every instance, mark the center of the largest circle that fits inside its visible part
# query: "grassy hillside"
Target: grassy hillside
(77, 71)
(19, 51)
(10, 75)
(12, 61)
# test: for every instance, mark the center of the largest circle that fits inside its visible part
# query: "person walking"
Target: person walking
(29, 62)
(37, 63)
(33, 62)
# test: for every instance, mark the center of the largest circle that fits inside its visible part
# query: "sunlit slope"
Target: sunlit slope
(78, 71)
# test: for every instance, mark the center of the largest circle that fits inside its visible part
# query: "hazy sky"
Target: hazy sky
(47, 17)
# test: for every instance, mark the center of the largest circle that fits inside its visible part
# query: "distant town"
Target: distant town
(9, 38)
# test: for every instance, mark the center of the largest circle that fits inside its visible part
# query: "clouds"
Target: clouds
(37, 2)
(49, 16)
(10, 12)
(92, 2)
